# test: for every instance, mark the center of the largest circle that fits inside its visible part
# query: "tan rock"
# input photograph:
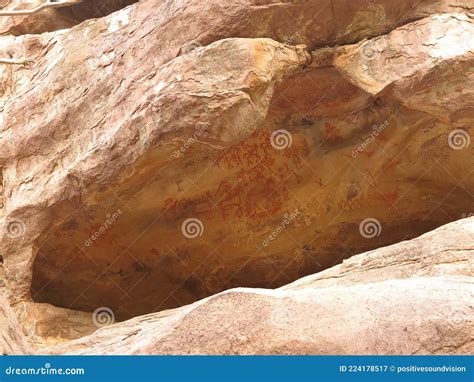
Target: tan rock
(46, 325)
(426, 65)
(288, 21)
(126, 127)
(120, 132)
(390, 301)
(169, 104)
(51, 16)
(12, 340)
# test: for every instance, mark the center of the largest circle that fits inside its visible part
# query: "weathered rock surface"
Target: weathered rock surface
(122, 129)
(12, 340)
(46, 325)
(426, 74)
(289, 21)
(154, 111)
(64, 15)
(415, 297)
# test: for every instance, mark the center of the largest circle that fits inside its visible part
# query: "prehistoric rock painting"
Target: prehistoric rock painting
(257, 185)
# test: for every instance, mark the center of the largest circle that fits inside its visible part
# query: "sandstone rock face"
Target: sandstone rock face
(12, 340)
(428, 76)
(415, 297)
(170, 150)
(63, 14)
(46, 325)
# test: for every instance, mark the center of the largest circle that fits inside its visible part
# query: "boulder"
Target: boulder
(12, 340)
(46, 325)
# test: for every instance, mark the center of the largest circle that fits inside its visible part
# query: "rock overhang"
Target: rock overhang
(225, 172)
